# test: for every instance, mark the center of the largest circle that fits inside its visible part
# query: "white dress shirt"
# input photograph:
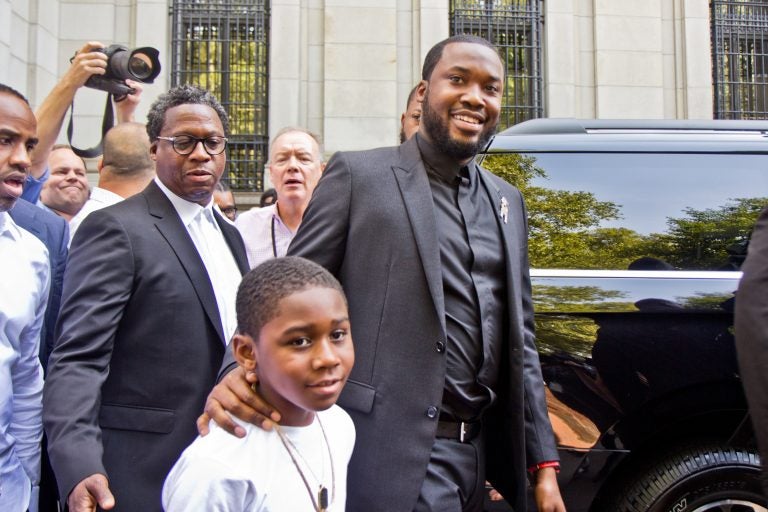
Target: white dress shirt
(216, 255)
(100, 198)
(264, 234)
(23, 298)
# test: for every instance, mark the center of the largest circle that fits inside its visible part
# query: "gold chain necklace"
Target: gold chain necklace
(321, 503)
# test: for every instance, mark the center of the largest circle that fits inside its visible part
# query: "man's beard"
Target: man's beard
(440, 136)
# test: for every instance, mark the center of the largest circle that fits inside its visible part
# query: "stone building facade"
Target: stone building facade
(344, 68)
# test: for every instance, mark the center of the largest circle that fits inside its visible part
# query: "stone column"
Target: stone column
(360, 81)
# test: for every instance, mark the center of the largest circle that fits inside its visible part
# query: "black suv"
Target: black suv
(637, 233)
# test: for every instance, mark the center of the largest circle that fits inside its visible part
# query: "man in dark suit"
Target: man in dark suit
(52, 230)
(751, 323)
(147, 310)
(432, 252)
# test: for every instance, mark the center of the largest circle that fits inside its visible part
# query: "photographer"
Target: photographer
(50, 114)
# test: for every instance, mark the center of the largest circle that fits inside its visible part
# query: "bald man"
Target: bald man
(125, 169)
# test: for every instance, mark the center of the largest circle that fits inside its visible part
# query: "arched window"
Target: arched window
(515, 28)
(223, 46)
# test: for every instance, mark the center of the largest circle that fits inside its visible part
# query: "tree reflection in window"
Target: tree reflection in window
(566, 227)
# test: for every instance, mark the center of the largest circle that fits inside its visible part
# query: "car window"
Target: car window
(639, 211)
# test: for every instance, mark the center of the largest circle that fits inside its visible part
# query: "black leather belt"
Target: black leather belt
(458, 430)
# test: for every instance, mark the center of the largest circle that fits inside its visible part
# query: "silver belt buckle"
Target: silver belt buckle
(462, 431)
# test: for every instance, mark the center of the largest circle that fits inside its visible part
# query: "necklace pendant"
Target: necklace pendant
(322, 498)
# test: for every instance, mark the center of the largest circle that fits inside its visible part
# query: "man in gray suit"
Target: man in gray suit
(432, 252)
(147, 310)
(751, 323)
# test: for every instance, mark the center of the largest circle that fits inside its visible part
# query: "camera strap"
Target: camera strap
(107, 122)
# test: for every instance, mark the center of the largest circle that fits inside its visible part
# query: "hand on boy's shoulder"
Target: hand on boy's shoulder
(234, 394)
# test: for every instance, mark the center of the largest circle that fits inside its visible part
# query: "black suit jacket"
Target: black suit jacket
(371, 222)
(53, 231)
(139, 341)
(751, 323)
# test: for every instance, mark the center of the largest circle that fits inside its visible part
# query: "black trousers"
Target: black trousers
(455, 479)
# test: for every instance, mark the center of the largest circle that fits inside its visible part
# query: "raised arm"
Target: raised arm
(125, 109)
(50, 113)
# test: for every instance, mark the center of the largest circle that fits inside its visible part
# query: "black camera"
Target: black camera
(140, 64)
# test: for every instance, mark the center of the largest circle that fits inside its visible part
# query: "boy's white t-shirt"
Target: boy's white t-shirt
(221, 472)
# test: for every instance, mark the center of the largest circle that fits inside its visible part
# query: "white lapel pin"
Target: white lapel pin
(504, 210)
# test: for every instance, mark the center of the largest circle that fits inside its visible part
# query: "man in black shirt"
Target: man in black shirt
(432, 252)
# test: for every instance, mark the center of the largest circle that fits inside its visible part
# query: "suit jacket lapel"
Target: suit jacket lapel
(414, 186)
(170, 226)
(509, 236)
(494, 194)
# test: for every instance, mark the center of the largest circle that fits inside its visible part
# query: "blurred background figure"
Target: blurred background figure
(295, 165)
(269, 197)
(66, 189)
(225, 200)
(409, 121)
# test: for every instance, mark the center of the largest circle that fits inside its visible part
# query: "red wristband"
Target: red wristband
(547, 464)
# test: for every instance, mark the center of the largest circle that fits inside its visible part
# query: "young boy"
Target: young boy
(293, 332)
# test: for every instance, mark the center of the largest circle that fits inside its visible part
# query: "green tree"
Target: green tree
(709, 239)
(565, 232)
(562, 329)
(563, 225)
(579, 299)
(701, 300)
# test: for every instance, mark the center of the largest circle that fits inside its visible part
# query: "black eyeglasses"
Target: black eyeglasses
(186, 144)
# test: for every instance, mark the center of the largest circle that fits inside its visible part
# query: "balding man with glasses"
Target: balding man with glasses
(147, 311)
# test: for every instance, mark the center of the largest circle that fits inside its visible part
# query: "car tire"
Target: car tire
(698, 479)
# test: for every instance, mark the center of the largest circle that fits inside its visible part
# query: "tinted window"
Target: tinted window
(637, 210)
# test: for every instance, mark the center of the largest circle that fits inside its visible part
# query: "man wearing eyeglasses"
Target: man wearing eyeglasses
(147, 311)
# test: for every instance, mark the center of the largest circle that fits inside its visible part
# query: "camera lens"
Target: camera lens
(140, 66)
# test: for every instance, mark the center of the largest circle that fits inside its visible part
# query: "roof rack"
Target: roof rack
(585, 126)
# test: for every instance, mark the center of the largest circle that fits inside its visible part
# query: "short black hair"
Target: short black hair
(10, 90)
(270, 193)
(436, 52)
(222, 186)
(182, 95)
(262, 289)
(411, 95)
